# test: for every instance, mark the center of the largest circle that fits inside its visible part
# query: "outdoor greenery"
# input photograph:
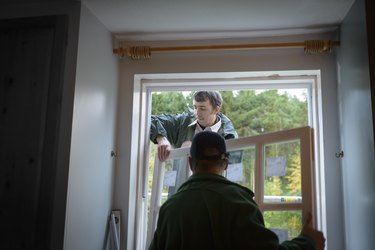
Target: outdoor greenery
(256, 112)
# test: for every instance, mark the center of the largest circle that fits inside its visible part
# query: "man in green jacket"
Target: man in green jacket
(178, 130)
(210, 212)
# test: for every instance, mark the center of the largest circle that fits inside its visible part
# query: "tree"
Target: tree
(169, 103)
(268, 111)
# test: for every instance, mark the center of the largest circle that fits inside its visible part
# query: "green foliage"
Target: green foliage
(294, 178)
(228, 100)
(273, 186)
(267, 111)
(290, 184)
(291, 220)
(169, 103)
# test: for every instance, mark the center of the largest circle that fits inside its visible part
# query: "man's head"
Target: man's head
(208, 153)
(206, 106)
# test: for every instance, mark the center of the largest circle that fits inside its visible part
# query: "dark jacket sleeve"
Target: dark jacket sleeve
(156, 128)
(228, 128)
(302, 242)
(168, 126)
(171, 126)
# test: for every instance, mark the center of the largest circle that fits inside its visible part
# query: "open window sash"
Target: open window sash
(276, 166)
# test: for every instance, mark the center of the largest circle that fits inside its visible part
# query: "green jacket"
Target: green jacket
(177, 130)
(210, 212)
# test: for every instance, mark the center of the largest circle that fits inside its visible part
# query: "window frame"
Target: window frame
(145, 84)
(303, 135)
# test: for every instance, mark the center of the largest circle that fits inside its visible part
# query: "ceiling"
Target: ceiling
(210, 19)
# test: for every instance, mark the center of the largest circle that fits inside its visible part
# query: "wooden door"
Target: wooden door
(29, 118)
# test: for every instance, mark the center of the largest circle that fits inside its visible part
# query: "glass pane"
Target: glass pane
(150, 176)
(176, 173)
(261, 111)
(241, 167)
(286, 224)
(282, 172)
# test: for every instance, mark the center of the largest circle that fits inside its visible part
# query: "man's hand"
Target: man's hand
(316, 235)
(164, 148)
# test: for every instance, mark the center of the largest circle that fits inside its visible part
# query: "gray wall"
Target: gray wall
(261, 60)
(91, 169)
(356, 130)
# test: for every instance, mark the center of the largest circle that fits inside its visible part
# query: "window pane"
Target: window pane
(176, 173)
(151, 160)
(260, 111)
(286, 224)
(241, 167)
(282, 172)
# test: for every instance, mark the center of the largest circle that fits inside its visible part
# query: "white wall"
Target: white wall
(260, 60)
(358, 163)
(91, 169)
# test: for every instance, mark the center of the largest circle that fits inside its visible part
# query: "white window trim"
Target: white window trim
(145, 84)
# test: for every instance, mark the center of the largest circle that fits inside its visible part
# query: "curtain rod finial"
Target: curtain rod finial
(319, 46)
(134, 52)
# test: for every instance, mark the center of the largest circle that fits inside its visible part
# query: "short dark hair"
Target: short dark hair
(208, 145)
(208, 149)
(213, 96)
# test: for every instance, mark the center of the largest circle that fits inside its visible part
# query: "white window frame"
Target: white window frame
(145, 84)
(303, 135)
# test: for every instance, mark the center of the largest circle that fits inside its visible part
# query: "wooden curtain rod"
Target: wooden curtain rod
(310, 47)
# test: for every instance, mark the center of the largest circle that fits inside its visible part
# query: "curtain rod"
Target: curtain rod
(309, 46)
